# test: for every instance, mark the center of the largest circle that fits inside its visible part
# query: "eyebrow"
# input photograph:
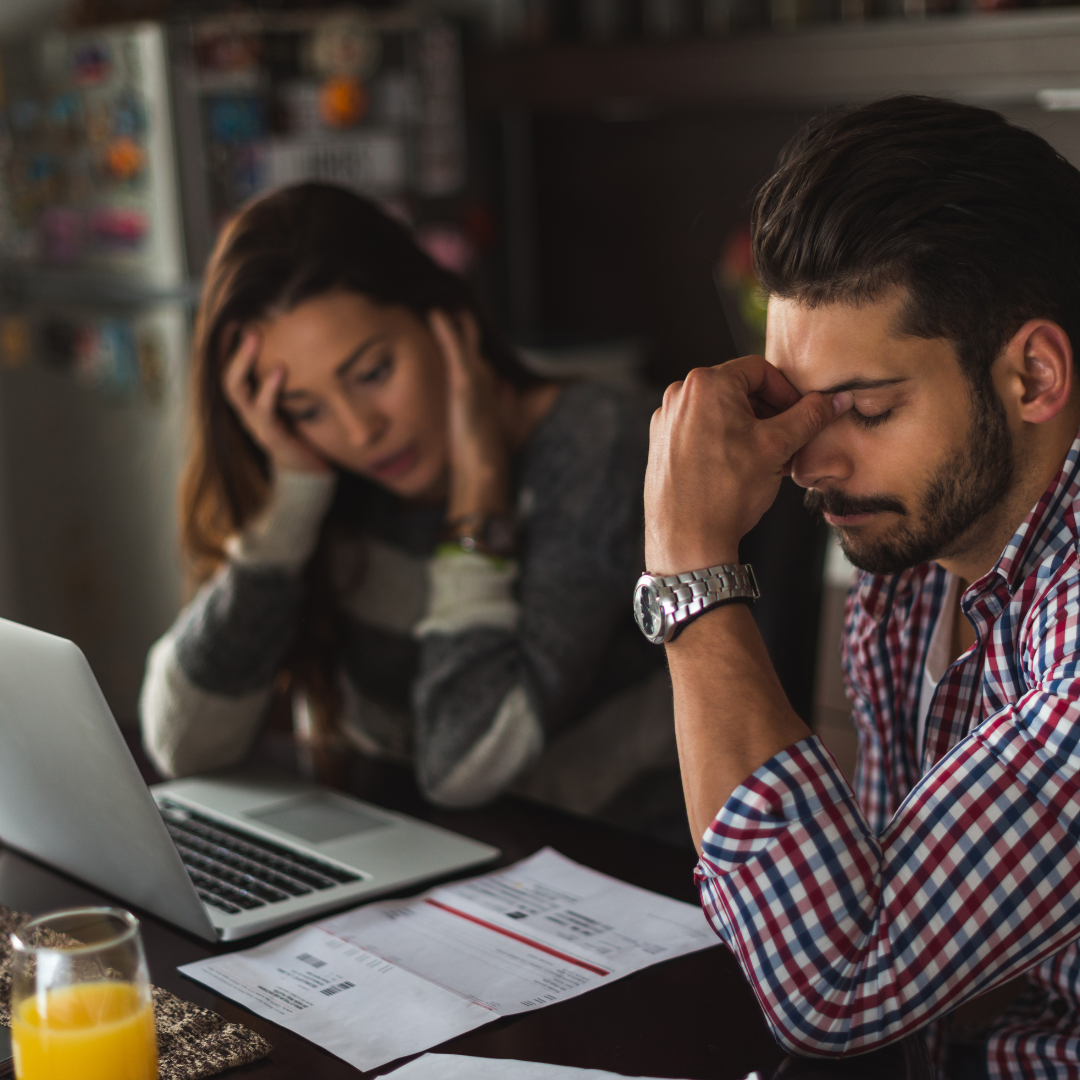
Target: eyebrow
(861, 384)
(356, 354)
(342, 368)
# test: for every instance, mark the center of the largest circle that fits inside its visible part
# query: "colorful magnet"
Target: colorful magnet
(124, 158)
(15, 342)
(106, 358)
(64, 111)
(91, 64)
(117, 229)
(127, 116)
(228, 52)
(343, 102)
(237, 118)
(345, 47)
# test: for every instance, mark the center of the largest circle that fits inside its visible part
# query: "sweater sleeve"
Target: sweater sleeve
(209, 679)
(509, 653)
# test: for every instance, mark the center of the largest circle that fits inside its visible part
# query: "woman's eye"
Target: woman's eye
(377, 374)
(869, 421)
(302, 416)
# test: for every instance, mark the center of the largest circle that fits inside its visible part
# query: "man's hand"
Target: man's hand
(719, 446)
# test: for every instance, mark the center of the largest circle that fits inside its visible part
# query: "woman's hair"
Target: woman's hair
(282, 249)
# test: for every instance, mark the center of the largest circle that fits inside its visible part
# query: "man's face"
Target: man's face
(919, 467)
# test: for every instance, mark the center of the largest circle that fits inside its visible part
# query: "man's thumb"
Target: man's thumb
(809, 416)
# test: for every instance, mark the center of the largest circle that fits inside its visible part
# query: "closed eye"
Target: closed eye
(377, 374)
(869, 421)
(299, 414)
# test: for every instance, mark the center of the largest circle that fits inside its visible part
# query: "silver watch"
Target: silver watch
(664, 605)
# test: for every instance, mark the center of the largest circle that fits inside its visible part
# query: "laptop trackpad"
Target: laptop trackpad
(318, 818)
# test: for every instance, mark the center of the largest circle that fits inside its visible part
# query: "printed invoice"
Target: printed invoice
(400, 976)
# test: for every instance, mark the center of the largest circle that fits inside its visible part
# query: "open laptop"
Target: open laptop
(222, 856)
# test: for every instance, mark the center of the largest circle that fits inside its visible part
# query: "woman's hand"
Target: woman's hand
(479, 456)
(257, 407)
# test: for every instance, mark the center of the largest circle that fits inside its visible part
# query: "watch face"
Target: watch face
(647, 611)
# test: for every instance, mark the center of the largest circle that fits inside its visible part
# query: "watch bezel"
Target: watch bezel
(647, 583)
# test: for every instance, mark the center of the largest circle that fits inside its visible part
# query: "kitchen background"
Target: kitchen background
(587, 163)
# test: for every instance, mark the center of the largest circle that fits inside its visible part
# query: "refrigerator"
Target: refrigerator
(122, 152)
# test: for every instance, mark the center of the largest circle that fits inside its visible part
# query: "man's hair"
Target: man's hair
(978, 219)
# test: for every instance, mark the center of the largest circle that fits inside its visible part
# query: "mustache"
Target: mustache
(838, 504)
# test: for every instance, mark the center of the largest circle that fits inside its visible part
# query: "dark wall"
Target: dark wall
(630, 216)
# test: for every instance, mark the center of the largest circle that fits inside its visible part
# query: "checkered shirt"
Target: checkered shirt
(862, 915)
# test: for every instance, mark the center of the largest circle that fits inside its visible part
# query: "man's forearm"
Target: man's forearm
(731, 714)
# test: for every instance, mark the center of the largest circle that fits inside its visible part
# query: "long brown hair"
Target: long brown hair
(286, 247)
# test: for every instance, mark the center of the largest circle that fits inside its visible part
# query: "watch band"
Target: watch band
(663, 606)
(483, 534)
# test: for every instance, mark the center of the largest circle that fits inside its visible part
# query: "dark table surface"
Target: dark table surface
(692, 1017)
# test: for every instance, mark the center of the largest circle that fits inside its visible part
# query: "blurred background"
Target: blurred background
(588, 164)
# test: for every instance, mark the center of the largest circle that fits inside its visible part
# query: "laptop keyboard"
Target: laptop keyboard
(237, 871)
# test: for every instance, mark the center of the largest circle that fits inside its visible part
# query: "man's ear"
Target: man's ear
(1034, 374)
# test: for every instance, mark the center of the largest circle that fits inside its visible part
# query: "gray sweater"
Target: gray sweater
(469, 668)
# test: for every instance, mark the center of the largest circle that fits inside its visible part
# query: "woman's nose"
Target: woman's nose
(362, 426)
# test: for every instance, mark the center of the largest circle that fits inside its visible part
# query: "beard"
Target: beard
(961, 495)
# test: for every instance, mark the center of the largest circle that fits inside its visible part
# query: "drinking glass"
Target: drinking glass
(84, 1009)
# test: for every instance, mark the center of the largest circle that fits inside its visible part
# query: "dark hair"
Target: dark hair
(286, 247)
(281, 249)
(977, 218)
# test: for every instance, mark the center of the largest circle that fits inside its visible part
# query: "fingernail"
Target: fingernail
(842, 402)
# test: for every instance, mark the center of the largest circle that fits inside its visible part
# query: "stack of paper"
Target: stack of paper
(398, 977)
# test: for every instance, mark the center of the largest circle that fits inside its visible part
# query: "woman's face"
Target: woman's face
(365, 386)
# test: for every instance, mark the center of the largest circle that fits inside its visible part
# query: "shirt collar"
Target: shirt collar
(1042, 530)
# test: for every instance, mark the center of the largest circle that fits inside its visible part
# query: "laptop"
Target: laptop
(223, 856)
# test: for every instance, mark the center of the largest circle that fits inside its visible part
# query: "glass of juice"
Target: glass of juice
(80, 998)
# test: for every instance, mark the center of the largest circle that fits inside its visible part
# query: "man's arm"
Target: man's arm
(720, 445)
(731, 714)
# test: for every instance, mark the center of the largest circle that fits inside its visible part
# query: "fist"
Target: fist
(719, 446)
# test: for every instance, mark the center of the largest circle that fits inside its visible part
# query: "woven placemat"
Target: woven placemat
(192, 1042)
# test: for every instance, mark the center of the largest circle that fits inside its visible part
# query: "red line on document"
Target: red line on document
(518, 937)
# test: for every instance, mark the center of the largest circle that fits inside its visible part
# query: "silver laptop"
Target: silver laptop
(223, 856)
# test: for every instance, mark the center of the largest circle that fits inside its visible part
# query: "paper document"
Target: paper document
(400, 976)
(457, 1067)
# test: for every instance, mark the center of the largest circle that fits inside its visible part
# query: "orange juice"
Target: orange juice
(91, 1030)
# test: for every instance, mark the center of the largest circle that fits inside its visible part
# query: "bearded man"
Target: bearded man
(922, 260)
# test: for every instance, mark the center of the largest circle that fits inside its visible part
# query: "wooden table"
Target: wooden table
(692, 1017)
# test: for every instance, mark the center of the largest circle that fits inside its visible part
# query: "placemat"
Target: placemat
(192, 1042)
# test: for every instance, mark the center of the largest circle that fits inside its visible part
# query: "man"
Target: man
(923, 264)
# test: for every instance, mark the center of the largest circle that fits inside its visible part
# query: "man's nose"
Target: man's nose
(823, 460)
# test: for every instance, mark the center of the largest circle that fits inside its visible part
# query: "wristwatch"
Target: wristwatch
(485, 534)
(664, 605)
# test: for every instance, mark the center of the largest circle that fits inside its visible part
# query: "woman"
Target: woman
(428, 548)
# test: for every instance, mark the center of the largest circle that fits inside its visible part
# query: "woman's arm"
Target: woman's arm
(208, 680)
(509, 653)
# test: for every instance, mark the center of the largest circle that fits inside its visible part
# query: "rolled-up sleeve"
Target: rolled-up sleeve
(851, 939)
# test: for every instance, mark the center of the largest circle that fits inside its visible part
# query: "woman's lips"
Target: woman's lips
(397, 464)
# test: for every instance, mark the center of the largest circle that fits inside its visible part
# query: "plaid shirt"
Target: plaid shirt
(862, 915)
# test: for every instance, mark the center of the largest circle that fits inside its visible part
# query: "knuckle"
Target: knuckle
(671, 394)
